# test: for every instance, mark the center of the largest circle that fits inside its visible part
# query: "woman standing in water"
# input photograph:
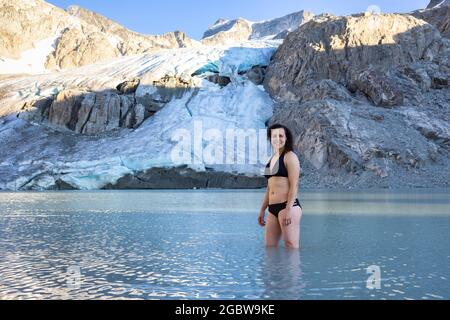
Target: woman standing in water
(282, 173)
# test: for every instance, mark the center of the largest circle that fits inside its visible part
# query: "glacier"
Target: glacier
(35, 156)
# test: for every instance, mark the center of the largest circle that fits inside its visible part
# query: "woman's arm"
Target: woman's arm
(265, 203)
(293, 166)
(262, 211)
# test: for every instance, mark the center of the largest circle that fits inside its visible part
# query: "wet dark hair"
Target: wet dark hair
(288, 146)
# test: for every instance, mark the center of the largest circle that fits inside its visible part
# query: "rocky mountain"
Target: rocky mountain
(438, 15)
(278, 26)
(127, 41)
(366, 95)
(368, 99)
(438, 3)
(228, 31)
(38, 37)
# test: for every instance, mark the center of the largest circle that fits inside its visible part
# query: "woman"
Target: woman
(282, 172)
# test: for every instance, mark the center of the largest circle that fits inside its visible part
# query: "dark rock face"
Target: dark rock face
(438, 17)
(36, 111)
(183, 177)
(338, 136)
(379, 88)
(440, 3)
(367, 99)
(281, 35)
(319, 90)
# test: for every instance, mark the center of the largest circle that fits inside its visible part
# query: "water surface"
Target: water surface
(206, 244)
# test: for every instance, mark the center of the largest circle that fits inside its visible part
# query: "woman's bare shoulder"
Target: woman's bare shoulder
(291, 157)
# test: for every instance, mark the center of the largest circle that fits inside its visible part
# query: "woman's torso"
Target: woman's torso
(278, 189)
(278, 185)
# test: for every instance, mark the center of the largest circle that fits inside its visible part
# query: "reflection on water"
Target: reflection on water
(282, 274)
(153, 244)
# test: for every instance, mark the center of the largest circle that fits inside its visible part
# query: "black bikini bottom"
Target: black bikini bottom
(277, 207)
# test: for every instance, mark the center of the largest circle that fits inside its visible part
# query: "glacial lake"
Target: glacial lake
(206, 244)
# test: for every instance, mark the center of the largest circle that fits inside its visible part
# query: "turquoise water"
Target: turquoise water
(197, 244)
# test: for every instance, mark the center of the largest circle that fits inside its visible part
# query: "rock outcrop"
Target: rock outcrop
(84, 111)
(367, 97)
(341, 48)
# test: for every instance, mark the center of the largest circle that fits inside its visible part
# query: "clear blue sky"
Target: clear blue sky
(195, 16)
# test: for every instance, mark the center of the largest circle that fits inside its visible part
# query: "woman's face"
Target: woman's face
(278, 138)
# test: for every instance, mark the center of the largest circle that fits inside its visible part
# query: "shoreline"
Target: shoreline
(230, 190)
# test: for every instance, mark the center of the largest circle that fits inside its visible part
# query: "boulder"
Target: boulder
(218, 79)
(256, 74)
(341, 48)
(154, 92)
(128, 86)
(379, 88)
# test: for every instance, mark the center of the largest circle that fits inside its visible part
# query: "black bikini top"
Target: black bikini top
(282, 170)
